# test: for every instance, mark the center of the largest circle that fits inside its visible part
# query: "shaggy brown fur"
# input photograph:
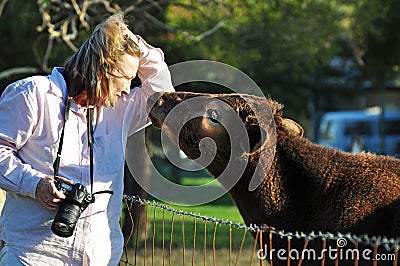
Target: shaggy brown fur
(308, 187)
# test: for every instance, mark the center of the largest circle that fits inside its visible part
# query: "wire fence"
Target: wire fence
(164, 240)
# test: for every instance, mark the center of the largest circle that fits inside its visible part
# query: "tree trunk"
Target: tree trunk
(134, 221)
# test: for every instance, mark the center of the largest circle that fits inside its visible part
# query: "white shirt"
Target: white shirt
(31, 119)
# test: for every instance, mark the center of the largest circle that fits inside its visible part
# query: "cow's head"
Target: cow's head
(220, 131)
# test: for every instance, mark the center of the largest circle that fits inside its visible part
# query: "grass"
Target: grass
(167, 232)
(168, 238)
(176, 228)
(196, 181)
(199, 257)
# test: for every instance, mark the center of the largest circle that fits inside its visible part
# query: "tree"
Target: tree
(285, 46)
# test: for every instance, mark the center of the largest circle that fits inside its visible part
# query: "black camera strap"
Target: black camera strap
(56, 164)
(89, 119)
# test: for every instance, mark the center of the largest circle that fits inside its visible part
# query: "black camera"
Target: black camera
(76, 200)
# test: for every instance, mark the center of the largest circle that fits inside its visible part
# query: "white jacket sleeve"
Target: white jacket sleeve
(17, 116)
(154, 76)
(153, 71)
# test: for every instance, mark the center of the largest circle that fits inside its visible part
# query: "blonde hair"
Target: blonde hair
(101, 52)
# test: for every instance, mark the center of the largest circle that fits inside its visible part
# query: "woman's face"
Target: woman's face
(118, 81)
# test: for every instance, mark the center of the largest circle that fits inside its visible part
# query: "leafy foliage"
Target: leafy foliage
(291, 48)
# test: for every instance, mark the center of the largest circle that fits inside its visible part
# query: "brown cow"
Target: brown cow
(305, 187)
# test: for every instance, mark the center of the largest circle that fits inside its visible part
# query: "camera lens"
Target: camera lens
(62, 228)
(65, 221)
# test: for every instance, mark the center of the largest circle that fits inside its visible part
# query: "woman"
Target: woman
(92, 94)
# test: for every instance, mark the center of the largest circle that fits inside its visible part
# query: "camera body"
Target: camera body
(76, 201)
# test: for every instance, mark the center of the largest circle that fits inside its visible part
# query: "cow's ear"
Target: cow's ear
(255, 135)
(293, 127)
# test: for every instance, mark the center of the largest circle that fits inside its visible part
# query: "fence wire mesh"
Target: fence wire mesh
(163, 240)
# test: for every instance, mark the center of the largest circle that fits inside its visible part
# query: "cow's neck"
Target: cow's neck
(308, 165)
(265, 203)
(298, 172)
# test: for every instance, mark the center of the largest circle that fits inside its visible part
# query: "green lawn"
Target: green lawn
(189, 228)
(198, 257)
(170, 238)
(173, 228)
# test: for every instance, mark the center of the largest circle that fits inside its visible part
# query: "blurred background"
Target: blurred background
(314, 56)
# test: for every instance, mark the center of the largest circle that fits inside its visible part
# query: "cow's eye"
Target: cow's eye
(213, 115)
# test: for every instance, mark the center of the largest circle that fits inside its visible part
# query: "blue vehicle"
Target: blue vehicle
(353, 131)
